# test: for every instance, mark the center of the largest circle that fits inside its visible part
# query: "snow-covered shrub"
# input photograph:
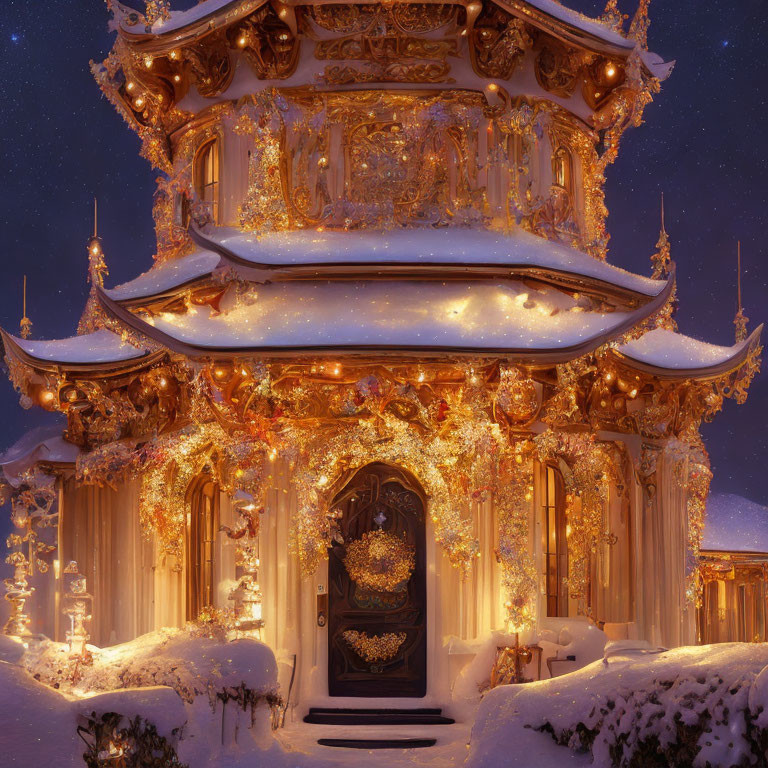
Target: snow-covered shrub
(694, 707)
(192, 663)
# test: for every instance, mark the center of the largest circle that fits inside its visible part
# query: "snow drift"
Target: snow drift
(693, 706)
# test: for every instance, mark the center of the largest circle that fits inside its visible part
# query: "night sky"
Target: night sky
(705, 144)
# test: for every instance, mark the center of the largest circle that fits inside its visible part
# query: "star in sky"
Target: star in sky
(15, 37)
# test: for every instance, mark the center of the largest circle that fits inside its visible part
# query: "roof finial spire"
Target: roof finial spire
(662, 259)
(25, 324)
(638, 27)
(612, 16)
(156, 10)
(741, 320)
(97, 266)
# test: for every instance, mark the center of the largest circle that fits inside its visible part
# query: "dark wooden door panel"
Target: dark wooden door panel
(377, 627)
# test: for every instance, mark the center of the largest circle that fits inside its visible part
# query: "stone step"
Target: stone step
(329, 716)
(378, 743)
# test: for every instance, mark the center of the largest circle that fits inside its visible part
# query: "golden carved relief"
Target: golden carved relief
(211, 64)
(557, 68)
(499, 42)
(268, 44)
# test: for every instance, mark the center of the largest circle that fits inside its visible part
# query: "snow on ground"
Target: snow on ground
(735, 524)
(195, 688)
(708, 694)
(714, 699)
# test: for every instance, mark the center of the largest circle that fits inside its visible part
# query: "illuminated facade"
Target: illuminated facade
(381, 386)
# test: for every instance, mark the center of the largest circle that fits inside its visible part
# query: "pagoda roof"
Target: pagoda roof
(667, 354)
(437, 253)
(168, 276)
(183, 26)
(531, 322)
(103, 350)
(41, 444)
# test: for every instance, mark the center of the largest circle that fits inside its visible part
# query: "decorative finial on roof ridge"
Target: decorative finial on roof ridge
(613, 17)
(662, 258)
(25, 324)
(662, 268)
(97, 266)
(156, 10)
(740, 321)
(638, 27)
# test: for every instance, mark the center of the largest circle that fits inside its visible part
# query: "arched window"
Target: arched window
(202, 529)
(556, 543)
(562, 169)
(207, 175)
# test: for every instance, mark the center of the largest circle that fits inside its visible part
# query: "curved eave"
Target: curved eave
(702, 373)
(232, 12)
(565, 30)
(160, 41)
(521, 355)
(109, 368)
(401, 270)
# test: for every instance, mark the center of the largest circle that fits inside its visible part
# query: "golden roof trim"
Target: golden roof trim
(234, 11)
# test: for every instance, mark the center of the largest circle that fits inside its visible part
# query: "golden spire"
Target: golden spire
(741, 320)
(638, 27)
(25, 325)
(662, 259)
(97, 267)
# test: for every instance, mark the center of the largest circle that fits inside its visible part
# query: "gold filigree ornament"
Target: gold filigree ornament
(374, 647)
(380, 561)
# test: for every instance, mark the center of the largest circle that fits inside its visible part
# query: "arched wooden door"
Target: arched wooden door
(377, 592)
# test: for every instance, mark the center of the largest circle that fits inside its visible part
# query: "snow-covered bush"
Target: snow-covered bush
(192, 663)
(183, 697)
(705, 706)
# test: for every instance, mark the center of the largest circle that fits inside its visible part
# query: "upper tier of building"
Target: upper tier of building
(277, 116)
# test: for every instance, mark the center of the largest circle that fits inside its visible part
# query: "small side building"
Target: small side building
(734, 571)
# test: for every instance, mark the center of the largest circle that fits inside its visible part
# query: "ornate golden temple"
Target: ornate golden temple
(381, 386)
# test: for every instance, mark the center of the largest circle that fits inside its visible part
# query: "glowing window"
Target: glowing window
(562, 169)
(207, 176)
(556, 546)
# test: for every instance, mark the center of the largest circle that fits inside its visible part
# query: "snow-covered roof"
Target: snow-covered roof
(102, 346)
(449, 246)
(39, 444)
(482, 315)
(166, 276)
(735, 524)
(208, 12)
(580, 21)
(668, 350)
